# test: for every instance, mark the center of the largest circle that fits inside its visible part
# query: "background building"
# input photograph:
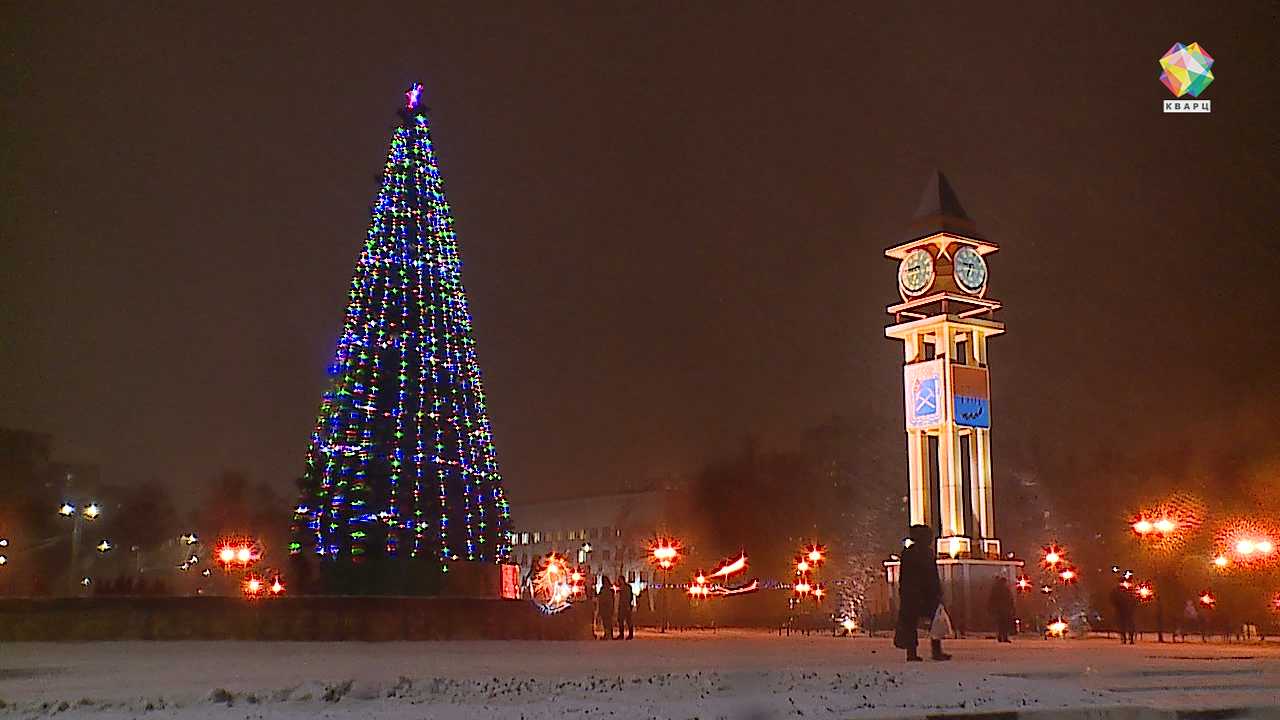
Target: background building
(604, 534)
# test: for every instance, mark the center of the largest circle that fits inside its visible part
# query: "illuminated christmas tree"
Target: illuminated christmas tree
(401, 476)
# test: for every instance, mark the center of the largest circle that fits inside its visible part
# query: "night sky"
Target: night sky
(671, 219)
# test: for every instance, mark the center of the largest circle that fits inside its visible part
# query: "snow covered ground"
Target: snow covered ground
(736, 675)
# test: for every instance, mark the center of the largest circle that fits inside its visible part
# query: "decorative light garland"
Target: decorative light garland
(402, 459)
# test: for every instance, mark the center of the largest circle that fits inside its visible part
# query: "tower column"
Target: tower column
(917, 463)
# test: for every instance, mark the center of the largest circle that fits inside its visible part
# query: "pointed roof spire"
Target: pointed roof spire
(940, 211)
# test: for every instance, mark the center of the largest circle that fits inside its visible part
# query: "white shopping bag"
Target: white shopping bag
(941, 626)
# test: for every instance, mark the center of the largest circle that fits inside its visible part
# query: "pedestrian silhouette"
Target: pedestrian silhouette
(625, 597)
(1000, 604)
(604, 606)
(919, 592)
(1125, 604)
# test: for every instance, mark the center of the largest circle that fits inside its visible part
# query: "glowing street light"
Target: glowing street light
(1068, 575)
(104, 546)
(231, 553)
(815, 555)
(665, 554)
(802, 566)
(252, 586)
(1207, 599)
(1024, 583)
(1221, 561)
(1053, 555)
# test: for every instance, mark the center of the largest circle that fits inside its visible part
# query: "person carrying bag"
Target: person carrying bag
(919, 595)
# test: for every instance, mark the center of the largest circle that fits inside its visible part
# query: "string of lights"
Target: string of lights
(402, 460)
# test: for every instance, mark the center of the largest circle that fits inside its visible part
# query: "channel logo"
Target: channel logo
(1186, 71)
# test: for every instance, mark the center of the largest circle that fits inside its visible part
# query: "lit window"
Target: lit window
(524, 539)
(573, 535)
(537, 538)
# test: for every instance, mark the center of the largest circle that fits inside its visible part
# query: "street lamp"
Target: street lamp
(78, 518)
(665, 553)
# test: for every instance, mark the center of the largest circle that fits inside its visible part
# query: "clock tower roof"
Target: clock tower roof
(940, 211)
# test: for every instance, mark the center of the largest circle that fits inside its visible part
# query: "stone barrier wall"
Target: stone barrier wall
(284, 618)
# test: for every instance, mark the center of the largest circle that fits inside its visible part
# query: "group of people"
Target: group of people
(616, 601)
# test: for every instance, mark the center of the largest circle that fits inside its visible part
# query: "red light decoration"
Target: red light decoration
(510, 582)
(1052, 556)
(730, 568)
(252, 586)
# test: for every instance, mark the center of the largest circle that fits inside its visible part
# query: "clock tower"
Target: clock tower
(944, 321)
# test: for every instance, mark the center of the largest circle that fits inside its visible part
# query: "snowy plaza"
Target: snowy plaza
(731, 674)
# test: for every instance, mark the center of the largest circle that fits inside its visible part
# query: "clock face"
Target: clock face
(915, 274)
(970, 270)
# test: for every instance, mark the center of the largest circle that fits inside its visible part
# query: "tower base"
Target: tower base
(966, 585)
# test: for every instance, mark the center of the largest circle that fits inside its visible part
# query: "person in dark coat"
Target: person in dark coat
(919, 592)
(625, 596)
(1125, 604)
(604, 606)
(1000, 604)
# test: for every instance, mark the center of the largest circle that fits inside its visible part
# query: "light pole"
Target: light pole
(78, 518)
(665, 555)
